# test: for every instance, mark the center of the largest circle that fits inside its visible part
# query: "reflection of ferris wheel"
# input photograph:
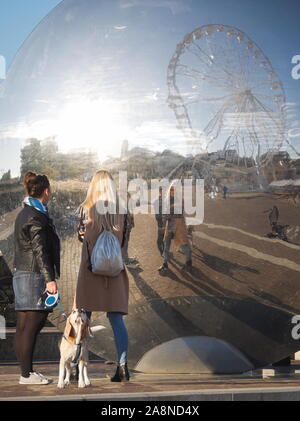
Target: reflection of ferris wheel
(226, 96)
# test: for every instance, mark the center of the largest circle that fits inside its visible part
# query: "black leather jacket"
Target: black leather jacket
(37, 245)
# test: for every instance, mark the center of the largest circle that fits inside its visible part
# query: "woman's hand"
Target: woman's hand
(52, 287)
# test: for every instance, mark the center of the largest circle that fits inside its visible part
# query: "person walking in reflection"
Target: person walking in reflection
(278, 230)
(225, 191)
(176, 230)
(160, 220)
(130, 262)
(37, 267)
(96, 292)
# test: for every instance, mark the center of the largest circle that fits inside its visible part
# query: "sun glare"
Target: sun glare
(97, 125)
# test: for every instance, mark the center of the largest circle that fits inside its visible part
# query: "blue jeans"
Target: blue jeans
(120, 335)
(28, 289)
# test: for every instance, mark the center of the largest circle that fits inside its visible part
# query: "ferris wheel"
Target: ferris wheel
(226, 96)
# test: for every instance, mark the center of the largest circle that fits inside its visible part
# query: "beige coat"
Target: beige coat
(96, 292)
(179, 228)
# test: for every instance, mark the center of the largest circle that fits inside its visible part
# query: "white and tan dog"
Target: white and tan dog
(73, 349)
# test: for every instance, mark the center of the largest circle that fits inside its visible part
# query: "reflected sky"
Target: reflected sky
(94, 76)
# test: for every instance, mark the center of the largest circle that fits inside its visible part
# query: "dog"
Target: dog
(73, 349)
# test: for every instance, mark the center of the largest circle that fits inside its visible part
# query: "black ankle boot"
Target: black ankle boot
(188, 266)
(163, 267)
(122, 374)
(117, 376)
(125, 372)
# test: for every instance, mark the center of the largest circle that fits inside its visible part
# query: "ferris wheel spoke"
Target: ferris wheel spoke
(190, 71)
(260, 139)
(266, 97)
(207, 74)
(267, 110)
(254, 73)
(211, 61)
(258, 85)
(194, 49)
(201, 53)
(246, 64)
(227, 141)
(216, 121)
(185, 70)
(244, 147)
(232, 52)
(267, 129)
(244, 73)
(238, 132)
(199, 97)
(215, 52)
(198, 80)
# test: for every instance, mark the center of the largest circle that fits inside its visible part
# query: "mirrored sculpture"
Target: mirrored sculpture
(148, 88)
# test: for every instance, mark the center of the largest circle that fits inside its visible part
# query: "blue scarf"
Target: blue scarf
(35, 203)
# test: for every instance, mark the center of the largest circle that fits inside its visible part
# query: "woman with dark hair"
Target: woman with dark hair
(36, 268)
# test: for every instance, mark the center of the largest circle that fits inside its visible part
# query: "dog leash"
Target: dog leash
(61, 311)
(74, 362)
(78, 352)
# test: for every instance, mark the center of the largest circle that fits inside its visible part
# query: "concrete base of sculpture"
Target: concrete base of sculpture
(194, 354)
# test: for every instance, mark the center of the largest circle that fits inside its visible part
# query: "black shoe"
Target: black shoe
(188, 266)
(125, 372)
(163, 267)
(122, 374)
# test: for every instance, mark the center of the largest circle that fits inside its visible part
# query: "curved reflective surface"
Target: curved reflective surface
(157, 91)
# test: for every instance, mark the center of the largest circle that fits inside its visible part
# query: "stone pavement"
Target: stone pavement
(256, 385)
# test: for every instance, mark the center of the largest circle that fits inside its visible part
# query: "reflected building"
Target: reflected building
(92, 76)
(124, 150)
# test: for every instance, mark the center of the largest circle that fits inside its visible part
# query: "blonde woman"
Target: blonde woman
(96, 292)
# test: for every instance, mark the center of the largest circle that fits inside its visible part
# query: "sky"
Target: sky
(273, 24)
(17, 19)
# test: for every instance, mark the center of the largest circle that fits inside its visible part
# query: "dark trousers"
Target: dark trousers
(160, 239)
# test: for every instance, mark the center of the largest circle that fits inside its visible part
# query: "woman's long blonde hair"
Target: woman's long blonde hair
(101, 203)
